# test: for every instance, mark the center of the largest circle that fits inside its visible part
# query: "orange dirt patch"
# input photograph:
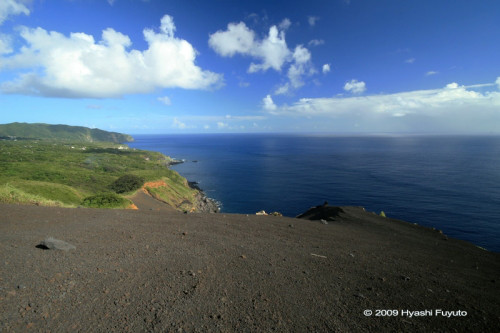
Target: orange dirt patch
(158, 183)
(132, 206)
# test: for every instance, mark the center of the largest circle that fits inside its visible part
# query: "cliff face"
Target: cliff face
(61, 132)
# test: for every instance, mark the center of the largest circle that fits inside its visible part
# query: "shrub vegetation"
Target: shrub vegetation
(127, 183)
(105, 200)
(61, 173)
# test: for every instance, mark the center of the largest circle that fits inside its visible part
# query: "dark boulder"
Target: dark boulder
(323, 212)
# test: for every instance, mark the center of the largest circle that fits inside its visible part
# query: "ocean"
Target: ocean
(451, 183)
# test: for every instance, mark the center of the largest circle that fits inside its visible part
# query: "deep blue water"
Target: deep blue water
(451, 183)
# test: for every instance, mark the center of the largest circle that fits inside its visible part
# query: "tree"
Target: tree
(127, 183)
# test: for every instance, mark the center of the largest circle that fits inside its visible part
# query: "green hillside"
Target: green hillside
(60, 132)
(57, 173)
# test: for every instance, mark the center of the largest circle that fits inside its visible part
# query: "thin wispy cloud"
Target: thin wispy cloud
(316, 42)
(312, 20)
(176, 123)
(221, 125)
(11, 8)
(165, 100)
(453, 107)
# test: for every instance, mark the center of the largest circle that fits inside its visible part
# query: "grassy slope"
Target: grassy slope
(63, 174)
(175, 192)
(61, 132)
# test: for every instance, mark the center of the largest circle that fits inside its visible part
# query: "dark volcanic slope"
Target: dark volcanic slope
(165, 271)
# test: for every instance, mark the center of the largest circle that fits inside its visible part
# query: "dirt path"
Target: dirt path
(144, 201)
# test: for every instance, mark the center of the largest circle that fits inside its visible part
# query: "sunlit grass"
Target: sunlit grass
(12, 195)
(176, 194)
(62, 173)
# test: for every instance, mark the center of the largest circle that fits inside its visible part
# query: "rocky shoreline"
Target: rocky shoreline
(204, 204)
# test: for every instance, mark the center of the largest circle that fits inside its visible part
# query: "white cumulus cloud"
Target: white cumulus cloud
(301, 55)
(268, 103)
(238, 38)
(355, 86)
(326, 68)
(12, 7)
(76, 66)
(301, 66)
(272, 51)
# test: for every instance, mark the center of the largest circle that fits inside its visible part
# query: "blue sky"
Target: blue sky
(336, 66)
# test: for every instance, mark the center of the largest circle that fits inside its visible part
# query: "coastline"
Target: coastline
(234, 272)
(64, 173)
(204, 203)
(378, 173)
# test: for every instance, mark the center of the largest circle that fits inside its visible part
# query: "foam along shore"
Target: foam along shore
(149, 270)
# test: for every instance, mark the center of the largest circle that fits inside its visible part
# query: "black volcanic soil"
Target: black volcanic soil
(161, 271)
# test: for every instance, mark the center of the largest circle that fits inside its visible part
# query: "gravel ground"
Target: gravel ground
(162, 271)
